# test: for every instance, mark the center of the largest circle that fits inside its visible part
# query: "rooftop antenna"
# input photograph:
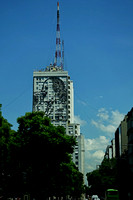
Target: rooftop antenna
(62, 54)
(57, 60)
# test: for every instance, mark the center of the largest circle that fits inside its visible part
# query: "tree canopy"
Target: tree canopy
(37, 158)
(5, 138)
(103, 178)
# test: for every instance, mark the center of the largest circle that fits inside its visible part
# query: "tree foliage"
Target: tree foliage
(5, 137)
(36, 159)
(103, 178)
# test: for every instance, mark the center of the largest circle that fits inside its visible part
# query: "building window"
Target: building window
(131, 123)
(76, 163)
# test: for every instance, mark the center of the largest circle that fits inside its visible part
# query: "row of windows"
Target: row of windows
(49, 80)
(58, 124)
(40, 87)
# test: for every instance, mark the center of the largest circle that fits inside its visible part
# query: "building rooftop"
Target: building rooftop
(50, 68)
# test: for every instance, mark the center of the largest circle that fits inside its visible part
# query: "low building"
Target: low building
(117, 143)
(124, 136)
(130, 138)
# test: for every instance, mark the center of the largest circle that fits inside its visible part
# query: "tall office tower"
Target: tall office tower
(53, 93)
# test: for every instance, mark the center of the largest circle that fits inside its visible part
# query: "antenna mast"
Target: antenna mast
(62, 54)
(57, 60)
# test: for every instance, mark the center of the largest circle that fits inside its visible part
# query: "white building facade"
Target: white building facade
(53, 93)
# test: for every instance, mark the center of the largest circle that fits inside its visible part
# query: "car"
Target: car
(95, 197)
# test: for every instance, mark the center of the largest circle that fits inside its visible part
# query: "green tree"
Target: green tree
(5, 136)
(103, 178)
(40, 161)
(71, 180)
(94, 182)
(108, 170)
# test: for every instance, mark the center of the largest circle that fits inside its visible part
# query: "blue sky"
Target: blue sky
(98, 38)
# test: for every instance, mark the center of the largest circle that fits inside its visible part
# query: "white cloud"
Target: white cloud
(116, 117)
(99, 143)
(108, 121)
(98, 154)
(78, 120)
(89, 167)
(105, 128)
(103, 114)
(82, 102)
(94, 152)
